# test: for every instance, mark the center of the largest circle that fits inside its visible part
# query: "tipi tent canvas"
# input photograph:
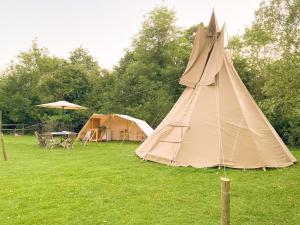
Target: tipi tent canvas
(215, 122)
(115, 127)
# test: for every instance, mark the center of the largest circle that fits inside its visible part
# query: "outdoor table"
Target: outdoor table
(61, 133)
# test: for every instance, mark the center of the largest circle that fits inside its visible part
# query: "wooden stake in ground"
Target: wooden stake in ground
(2, 139)
(3, 147)
(225, 201)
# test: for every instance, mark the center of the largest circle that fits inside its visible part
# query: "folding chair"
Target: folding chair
(41, 139)
(68, 143)
(50, 141)
(87, 137)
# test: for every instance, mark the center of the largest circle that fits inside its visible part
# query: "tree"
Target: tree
(267, 57)
(147, 77)
(39, 78)
(18, 85)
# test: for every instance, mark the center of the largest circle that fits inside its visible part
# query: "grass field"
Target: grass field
(105, 183)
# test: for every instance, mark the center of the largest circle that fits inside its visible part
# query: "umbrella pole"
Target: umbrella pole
(63, 122)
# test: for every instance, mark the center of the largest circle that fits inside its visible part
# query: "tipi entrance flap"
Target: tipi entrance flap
(163, 152)
(168, 144)
(174, 134)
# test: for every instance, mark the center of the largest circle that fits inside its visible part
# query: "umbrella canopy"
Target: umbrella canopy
(61, 105)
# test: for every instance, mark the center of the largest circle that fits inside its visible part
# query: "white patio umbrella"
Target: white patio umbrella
(61, 105)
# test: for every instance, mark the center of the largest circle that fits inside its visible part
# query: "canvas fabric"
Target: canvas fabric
(215, 122)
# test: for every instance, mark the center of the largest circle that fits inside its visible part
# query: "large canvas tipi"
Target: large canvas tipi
(215, 122)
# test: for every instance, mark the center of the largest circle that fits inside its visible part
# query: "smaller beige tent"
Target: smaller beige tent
(115, 127)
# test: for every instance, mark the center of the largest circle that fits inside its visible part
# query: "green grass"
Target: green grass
(105, 183)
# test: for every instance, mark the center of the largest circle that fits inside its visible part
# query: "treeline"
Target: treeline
(144, 84)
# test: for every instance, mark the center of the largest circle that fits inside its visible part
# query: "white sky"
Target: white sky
(104, 27)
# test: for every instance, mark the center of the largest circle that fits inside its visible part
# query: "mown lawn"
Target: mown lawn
(105, 183)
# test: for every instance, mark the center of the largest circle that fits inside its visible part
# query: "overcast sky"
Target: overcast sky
(104, 27)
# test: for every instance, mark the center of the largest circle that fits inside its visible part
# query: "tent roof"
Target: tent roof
(143, 125)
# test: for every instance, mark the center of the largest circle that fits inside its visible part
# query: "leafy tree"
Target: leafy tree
(147, 76)
(18, 86)
(39, 78)
(267, 57)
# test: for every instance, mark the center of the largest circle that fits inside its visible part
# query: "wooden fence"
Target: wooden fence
(13, 128)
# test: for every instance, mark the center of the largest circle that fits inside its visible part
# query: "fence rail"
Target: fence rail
(21, 128)
(14, 124)
(17, 128)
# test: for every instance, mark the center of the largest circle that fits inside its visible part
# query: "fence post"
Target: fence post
(2, 139)
(1, 121)
(225, 201)
(3, 147)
